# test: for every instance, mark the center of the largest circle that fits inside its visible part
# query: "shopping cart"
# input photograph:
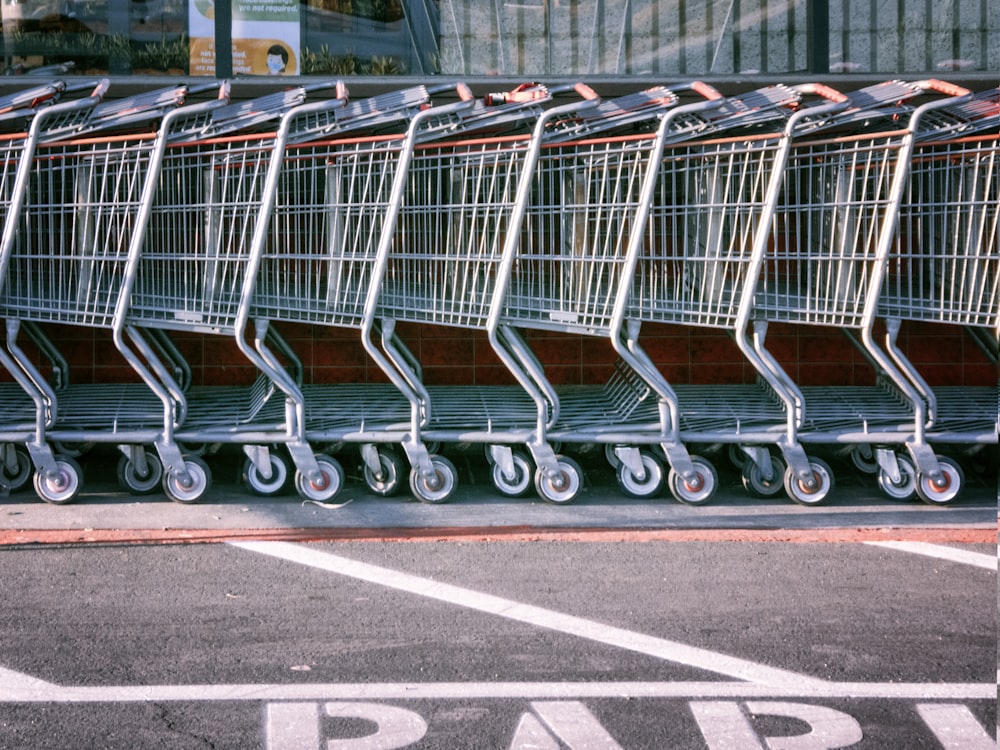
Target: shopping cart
(700, 247)
(74, 197)
(334, 261)
(190, 268)
(17, 410)
(944, 268)
(830, 237)
(465, 282)
(571, 264)
(324, 175)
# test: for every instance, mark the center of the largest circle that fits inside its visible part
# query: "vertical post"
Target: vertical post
(818, 36)
(223, 39)
(119, 61)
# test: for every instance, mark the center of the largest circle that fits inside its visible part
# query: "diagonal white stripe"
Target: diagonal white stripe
(659, 648)
(952, 554)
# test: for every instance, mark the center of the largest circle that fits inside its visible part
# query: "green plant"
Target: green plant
(384, 66)
(321, 62)
(163, 55)
(83, 48)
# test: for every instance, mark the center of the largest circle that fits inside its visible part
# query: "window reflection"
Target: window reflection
(488, 37)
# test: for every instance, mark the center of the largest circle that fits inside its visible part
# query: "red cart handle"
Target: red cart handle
(943, 87)
(706, 90)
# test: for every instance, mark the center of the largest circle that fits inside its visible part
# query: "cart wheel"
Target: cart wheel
(194, 449)
(390, 475)
(200, 477)
(649, 486)
(64, 486)
(756, 485)
(819, 493)
(328, 485)
(17, 477)
(72, 449)
(520, 483)
(699, 490)
(863, 458)
(437, 488)
(736, 456)
(136, 483)
(610, 456)
(945, 489)
(266, 487)
(906, 487)
(563, 488)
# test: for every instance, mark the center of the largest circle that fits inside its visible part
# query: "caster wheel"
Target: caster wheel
(642, 488)
(71, 449)
(63, 486)
(906, 487)
(517, 485)
(698, 490)
(266, 487)
(437, 488)
(390, 476)
(194, 489)
(737, 457)
(327, 486)
(756, 485)
(138, 484)
(819, 493)
(863, 458)
(16, 476)
(610, 456)
(946, 488)
(562, 488)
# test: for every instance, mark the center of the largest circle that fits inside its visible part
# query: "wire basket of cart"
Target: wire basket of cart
(825, 262)
(62, 257)
(375, 250)
(944, 269)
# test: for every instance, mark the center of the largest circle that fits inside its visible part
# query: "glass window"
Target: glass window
(531, 38)
(96, 36)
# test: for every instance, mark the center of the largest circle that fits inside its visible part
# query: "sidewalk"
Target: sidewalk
(104, 512)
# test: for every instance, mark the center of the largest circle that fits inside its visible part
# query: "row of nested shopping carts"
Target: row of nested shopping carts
(543, 208)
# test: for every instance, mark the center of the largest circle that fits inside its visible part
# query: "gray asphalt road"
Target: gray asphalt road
(498, 645)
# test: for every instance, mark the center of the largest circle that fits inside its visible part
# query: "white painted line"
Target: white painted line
(955, 727)
(952, 554)
(403, 691)
(286, 729)
(18, 684)
(659, 648)
(574, 725)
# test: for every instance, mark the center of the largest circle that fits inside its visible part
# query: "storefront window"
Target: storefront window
(370, 37)
(97, 36)
(501, 37)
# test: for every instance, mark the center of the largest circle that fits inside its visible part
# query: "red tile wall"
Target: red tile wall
(944, 355)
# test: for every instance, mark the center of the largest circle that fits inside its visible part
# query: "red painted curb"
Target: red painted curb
(499, 534)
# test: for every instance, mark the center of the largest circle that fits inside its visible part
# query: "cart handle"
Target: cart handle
(821, 89)
(525, 92)
(464, 92)
(221, 86)
(706, 90)
(942, 87)
(100, 89)
(461, 89)
(338, 86)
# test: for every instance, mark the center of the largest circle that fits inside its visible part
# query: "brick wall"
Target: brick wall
(944, 355)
